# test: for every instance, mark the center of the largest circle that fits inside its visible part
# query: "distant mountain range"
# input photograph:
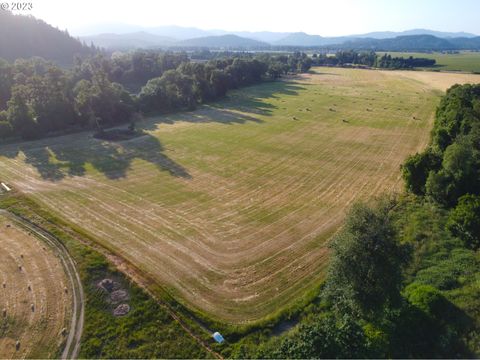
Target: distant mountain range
(413, 43)
(135, 40)
(26, 36)
(170, 36)
(392, 34)
(303, 39)
(223, 41)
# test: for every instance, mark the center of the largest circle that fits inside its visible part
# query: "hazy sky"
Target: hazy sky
(327, 18)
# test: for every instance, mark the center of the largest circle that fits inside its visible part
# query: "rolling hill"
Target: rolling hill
(136, 40)
(25, 36)
(180, 33)
(392, 34)
(303, 39)
(223, 41)
(413, 43)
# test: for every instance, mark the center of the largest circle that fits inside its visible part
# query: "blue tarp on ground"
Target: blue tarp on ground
(218, 337)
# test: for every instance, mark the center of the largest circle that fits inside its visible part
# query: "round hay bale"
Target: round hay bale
(121, 310)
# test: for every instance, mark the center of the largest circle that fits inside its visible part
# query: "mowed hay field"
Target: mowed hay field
(230, 207)
(39, 282)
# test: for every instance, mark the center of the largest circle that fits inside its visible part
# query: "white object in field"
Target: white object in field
(218, 337)
(6, 187)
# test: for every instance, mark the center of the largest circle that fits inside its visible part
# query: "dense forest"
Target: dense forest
(404, 270)
(25, 36)
(370, 59)
(39, 98)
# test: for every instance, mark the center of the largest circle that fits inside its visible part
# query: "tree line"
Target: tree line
(347, 57)
(389, 62)
(403, 274)
(370, 59)
(38, 97)
(448, 171)
(403, 271)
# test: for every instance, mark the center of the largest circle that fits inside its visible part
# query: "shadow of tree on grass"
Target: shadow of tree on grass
(70, 155)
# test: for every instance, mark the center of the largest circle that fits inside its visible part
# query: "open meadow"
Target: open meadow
(230, 207)
(34, 297)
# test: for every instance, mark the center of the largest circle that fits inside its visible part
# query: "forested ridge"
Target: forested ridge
(38, 98)
(25, 36)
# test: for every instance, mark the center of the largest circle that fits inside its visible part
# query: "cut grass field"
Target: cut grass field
(230, 207)
(32, 295)
(149, 330)
(465, 61)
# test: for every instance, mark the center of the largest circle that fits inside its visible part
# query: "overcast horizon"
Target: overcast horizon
(84, 31)
(343, 18)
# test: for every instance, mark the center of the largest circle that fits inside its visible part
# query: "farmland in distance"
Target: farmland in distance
(464, 61)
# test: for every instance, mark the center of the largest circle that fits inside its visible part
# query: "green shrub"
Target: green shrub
(366, 262)
(326, 337)
(464, 221)
(416, 168)
(426, 298)
(449, 273)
